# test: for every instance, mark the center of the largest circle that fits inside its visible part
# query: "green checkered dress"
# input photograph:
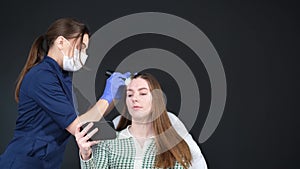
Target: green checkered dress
(123, 153)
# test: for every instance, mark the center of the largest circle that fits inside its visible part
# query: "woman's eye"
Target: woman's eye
(143, 94)
(129, 95)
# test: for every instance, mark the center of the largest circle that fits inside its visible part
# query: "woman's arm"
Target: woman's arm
(82, 139)
(91, 158)
(198, 161)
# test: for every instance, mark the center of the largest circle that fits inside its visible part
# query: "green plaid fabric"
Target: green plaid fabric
(121, 154)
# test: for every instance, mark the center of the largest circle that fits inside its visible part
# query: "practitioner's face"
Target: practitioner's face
(76, 42)
(139, 100)
(85, 43)
(68, 45)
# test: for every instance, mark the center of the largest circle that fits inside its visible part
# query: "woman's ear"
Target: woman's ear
(59, 42)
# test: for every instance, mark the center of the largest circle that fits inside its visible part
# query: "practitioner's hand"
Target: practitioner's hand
(82, 139)
(114, 86)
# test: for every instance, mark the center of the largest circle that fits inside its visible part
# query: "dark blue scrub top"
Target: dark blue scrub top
(45, 109)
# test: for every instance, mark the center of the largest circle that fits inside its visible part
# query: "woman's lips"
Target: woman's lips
(136, 107)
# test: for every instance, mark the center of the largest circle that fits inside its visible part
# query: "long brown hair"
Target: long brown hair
(170, 146)
(66, 27)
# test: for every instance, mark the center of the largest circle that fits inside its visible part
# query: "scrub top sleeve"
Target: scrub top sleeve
(47, 91)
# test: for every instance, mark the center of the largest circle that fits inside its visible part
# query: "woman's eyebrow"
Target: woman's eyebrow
(142, 88)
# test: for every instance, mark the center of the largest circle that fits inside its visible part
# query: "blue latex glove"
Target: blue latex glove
(113, 85)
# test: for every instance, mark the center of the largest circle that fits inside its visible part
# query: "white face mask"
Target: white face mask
(76, 62)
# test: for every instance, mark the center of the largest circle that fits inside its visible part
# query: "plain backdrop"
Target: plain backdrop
(258, 44)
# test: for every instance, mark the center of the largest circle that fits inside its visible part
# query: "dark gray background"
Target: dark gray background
(257, 41)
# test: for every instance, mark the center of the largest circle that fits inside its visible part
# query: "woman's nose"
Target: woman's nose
(134, 98)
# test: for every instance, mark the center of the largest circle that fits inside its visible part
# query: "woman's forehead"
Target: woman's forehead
(138, 83)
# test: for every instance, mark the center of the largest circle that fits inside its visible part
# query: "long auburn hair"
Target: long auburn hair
(66, 27)
(170, 146)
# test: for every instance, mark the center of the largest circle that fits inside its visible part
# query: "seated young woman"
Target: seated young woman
(146, 137)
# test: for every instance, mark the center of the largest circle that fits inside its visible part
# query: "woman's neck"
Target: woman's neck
(56, 56)
(141, 130)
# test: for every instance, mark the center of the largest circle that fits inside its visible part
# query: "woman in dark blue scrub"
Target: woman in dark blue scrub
(46, 113)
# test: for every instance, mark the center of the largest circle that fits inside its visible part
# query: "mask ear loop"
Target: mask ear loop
(73, 59)
(80, 50)
(74, 53)
(85, 52)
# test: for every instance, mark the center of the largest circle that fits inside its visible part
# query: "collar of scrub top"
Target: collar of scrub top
(55, 65)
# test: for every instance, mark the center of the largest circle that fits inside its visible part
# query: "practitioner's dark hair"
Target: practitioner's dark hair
(66, 27)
